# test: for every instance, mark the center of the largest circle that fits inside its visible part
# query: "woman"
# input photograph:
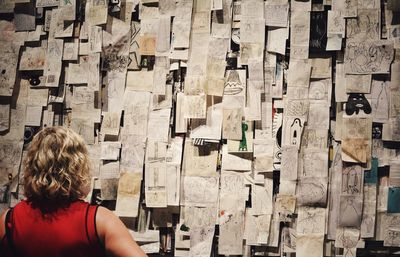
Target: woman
(54, 220)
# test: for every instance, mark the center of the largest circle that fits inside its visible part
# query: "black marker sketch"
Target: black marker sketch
(365, 27)
(295, 131)
(368, 57)
(352, 180)
(277, 134)
(379, 99)
(233, 85)
(357, 102)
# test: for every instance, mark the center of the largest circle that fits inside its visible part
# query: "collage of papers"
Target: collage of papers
(217, 127)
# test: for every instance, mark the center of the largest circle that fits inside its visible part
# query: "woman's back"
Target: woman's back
(56, 175)
(66, 231)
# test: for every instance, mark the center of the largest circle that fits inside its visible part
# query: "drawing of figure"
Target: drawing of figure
(312, 221)
(369, 224)
(338, 22)
(350, 4)
(230, 123)
(295, 132)
(381, 107)
(366, 25)
(352, 180)
(317, 90)
(357, 102)
(348, 251)
(53, 50)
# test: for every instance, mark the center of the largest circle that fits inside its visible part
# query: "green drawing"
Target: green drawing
(243, 142)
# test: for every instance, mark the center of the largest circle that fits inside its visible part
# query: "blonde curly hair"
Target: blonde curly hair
(57, 167)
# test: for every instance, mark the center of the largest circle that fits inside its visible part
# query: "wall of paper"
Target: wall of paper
(217, 127)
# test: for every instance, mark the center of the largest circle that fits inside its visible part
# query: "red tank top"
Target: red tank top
(65, 232)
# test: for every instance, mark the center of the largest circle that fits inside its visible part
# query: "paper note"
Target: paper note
(276, 13)
(199, 191)
(378, 63)
(231, 215)
(128, 194)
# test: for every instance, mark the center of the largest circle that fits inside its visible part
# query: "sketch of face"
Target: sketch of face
(357, 102)
(353, 181)
(318, 91)
(349, 3)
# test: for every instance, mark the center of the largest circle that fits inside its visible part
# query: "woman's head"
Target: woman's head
(56, 168)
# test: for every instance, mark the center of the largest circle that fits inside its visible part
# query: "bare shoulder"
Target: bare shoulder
(2, 223)
(115, 236)
(108, 224)
(103, 214)
(104, 220)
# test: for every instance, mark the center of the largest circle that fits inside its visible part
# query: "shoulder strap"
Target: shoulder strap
(91, 229)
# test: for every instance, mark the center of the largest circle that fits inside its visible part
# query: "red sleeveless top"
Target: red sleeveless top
(65, 232)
